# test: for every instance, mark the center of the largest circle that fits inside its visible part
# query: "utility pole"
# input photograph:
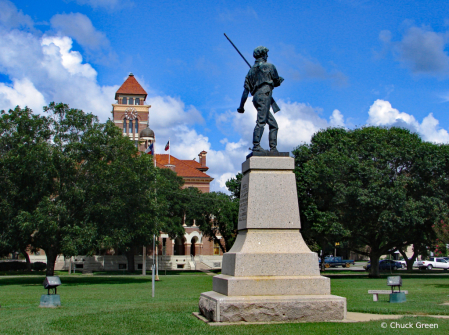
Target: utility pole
(152, 269)
(144, 261)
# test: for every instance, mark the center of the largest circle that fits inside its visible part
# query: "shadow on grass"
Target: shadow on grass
(98, 278)
(75, 281)
(445, 286)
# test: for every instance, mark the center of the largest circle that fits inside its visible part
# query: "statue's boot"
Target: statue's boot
(273, 139)
(257, 135)
(258, 148)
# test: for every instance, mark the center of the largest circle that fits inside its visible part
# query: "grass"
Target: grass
(115, 304)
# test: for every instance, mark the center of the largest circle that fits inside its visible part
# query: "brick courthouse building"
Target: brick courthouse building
(191, 251)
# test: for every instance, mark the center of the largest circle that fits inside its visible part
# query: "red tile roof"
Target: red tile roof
(196, 165)
(184, 168)
(193, 163)
(130, 86)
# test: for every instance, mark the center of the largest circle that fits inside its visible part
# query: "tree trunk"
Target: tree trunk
(374, 270)
(222, 247)
(51, 260)
(27, 257)
(409, 261)
(130, 258)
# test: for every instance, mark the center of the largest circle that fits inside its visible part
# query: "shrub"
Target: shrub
(39, 266)
(13, 266)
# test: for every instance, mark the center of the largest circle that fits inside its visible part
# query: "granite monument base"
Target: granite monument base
(270, 274)
(218, 307)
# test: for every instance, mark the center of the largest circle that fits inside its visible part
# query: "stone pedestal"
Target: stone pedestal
(270, 274)
(397, 297)
(50, 300)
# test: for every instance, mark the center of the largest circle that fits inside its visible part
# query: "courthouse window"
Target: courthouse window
(124, 101)
(137, 101)
(130, 126)
(124, 126)
(131, 101)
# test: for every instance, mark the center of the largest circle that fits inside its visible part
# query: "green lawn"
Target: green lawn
(123, 305)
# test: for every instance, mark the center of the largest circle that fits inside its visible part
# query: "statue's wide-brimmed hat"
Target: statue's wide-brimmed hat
(260, 51)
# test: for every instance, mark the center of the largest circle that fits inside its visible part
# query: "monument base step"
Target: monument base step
(271, 285)
(217, 307)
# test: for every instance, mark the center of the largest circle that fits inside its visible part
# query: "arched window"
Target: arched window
(124, 126)
(130, 126)
(131, 101)
(124, 101)
(137, 126)
(137, 101)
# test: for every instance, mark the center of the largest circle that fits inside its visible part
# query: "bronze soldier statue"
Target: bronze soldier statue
(260, 81)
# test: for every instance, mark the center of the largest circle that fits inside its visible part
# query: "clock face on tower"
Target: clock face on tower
(130, 113)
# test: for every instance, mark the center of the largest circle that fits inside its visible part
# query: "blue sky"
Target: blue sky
(345, 63)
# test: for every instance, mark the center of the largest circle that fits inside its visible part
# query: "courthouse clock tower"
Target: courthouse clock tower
(131, 114)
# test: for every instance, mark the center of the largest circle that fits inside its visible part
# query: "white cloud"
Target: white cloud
(421, 50)
(79, 27)
(22, 93)
(10, 17)
(381, 113)
(336, 119)
(107, 4)
(168, 113)
(297, 123)
(237, 14)
(171, 119)
(46, 66)
(58, 50)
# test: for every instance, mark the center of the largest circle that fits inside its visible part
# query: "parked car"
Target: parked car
(434, 262)
(386, 265)
(336, 261)
(404, 263)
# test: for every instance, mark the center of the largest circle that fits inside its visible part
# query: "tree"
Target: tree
(429, 188)
(78, 185)
(61, 222)
(25, 176)
(174, 201)
(318, 187)
(119, 193)
(362, 186)
(233, 185)
(217, 215)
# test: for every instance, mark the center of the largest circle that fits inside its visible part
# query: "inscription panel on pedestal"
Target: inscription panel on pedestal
(243, 206)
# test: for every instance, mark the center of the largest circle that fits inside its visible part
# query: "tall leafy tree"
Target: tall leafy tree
(217, 216)
(318, 185)
(25, 174)
(119, 192)
(78, 185)
(60, 223)
(361, 186)
(216, 213)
